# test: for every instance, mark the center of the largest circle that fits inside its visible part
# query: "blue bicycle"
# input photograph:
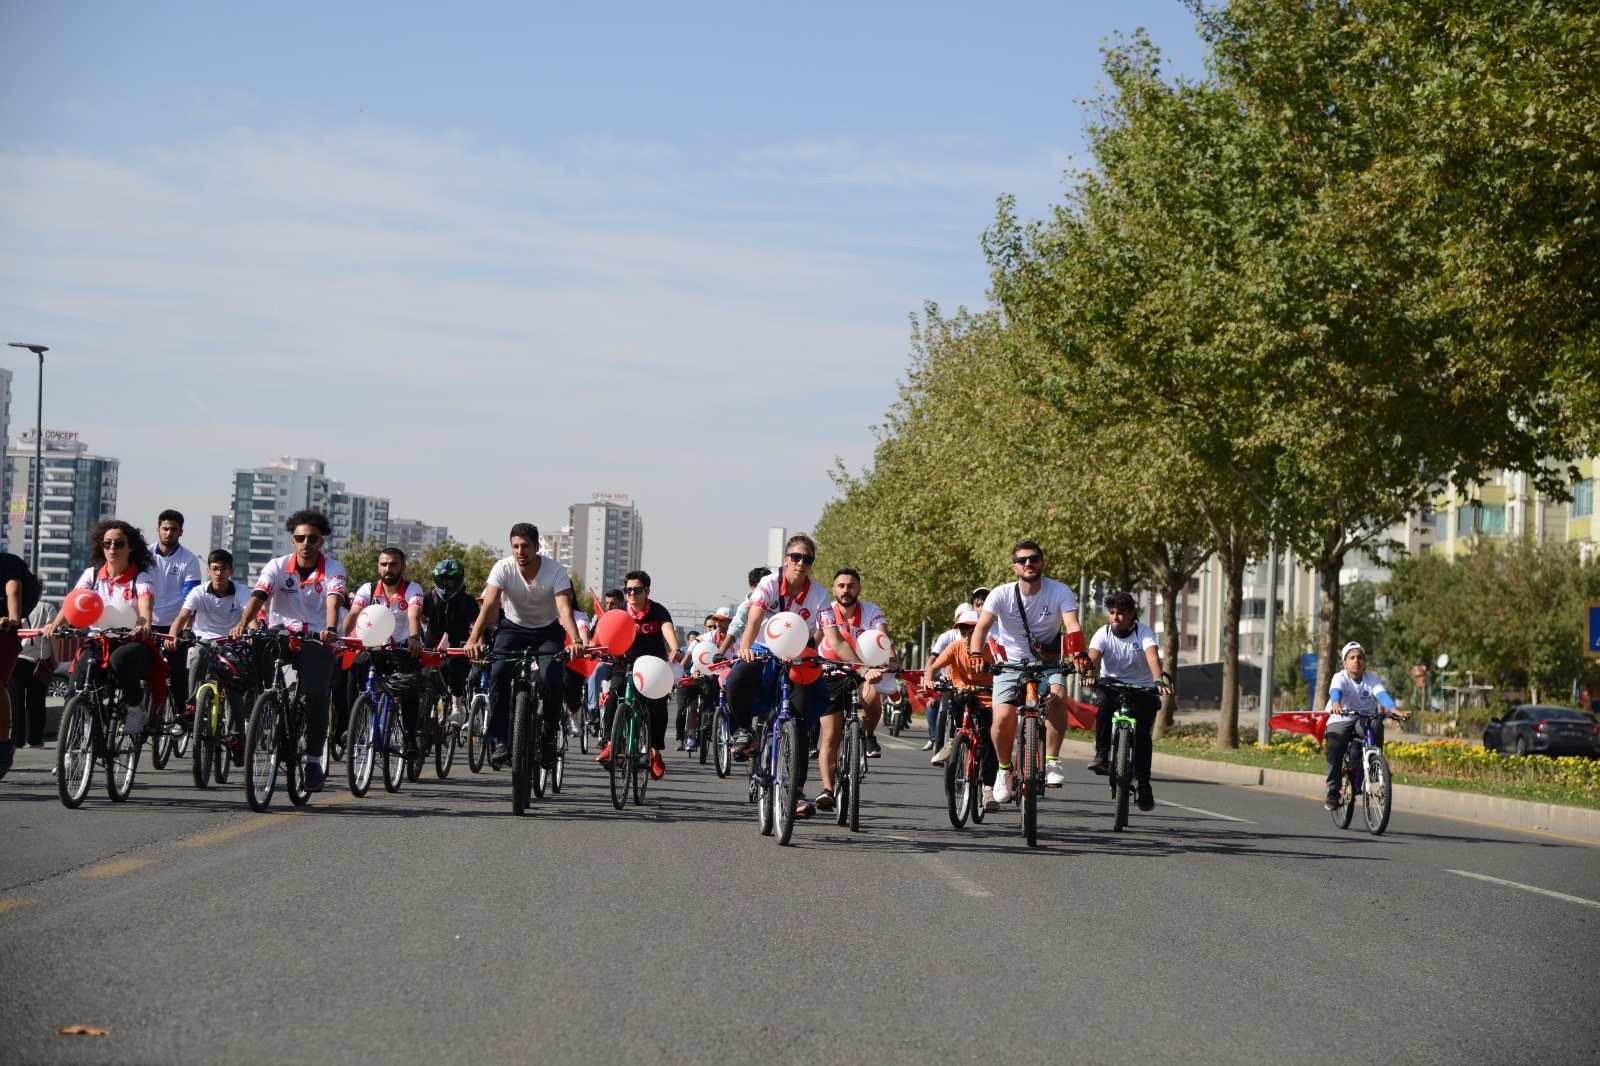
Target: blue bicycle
(477, 717)
(773, 769)
(1366, 774)
(376, 731)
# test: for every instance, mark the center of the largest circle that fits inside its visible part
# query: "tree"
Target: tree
(360, 561)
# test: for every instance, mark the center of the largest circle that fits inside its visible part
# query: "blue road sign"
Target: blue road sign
(1308, 665)
(1594, 630)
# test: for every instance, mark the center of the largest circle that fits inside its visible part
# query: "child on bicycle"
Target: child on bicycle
(971, 684)
(1353, 691)
(1126, 650)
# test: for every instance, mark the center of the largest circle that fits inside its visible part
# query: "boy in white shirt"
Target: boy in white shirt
(1125, 650)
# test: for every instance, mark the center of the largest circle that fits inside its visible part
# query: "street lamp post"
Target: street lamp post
(38, 450)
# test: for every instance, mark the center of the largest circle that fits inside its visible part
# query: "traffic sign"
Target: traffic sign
(1592, 642)
(1308, 665)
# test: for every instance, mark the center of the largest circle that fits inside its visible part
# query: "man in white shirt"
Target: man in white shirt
(535, 593)
(1029, 616)
(176, 573)
(404, 600)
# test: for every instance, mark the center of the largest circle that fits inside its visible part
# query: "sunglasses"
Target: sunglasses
(802, 558)
(1027, 560)
(308, 538)
(636, 590)
(113, 544)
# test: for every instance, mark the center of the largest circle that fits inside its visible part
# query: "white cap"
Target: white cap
(1350, 647)
(966, 615)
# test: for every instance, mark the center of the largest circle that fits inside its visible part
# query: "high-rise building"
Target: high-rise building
(776, 536)
(264, 497)
(607, 539)
(415, 536)
(557, 545)
(219, 532)
(5, 433)
(79, 489)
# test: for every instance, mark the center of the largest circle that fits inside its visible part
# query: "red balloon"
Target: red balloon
(83, 607)
(614, 631)
(807, 669)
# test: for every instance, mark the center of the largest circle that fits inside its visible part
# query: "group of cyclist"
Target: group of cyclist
(528, 606)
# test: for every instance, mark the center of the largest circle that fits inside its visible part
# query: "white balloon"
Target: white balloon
(702, 655)
(119, 614)
(785, 634)
(888, 684)
(374, 625)
(874, 647)
(652, 677)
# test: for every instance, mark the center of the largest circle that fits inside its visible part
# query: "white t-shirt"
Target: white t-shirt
(173, 577)
(581, 621)
(1122, 658)
(940, 643)
(406, 595)
(213, 616)
(1044, 608)
(130, 588)
(300, 605)
(1357, 694)
(530, 604)
(851, 624)
(808, 603)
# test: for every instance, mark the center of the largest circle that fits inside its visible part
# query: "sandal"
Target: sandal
(824, 800)
(804, 808)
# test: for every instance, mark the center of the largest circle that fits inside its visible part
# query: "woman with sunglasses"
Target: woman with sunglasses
(120, 571)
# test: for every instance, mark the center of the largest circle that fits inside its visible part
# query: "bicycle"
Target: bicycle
(1027, 750)
(435, 731)
(276, 735)
(897, 710)
(1120, 704)
(91, 729)
(531, 772)
(1366, 772)
(963, 771)
(851, 766)
(376, 729)
(165, 731)
(629, 764)
(477, 717)
(773, 769)
(223, 676)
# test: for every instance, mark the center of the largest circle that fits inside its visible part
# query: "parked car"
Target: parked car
(1540, 730)
(59, 683)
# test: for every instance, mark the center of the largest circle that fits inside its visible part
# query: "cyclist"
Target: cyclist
(1353, 691)
(842, 623)
(741, 613)
(404, 600)
(1126, 650)
(1028, 616)
(302, 592)
(119, 570)
(577, 695)
(655, 637)
(751, 683)
(212, 609)
(973, 683)
(930, 675)
(22, 592)
(531, 595)
(176, 573)
(447, 616)
(699, 696)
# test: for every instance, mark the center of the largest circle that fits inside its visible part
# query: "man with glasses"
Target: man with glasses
(657, 637)
(535, 593)
(1028, 616)
(751, 683)
(303, 592)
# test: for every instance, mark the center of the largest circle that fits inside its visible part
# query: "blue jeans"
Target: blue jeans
(596, 679)
(933, 709)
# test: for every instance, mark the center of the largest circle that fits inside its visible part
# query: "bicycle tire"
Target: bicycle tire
(203, 750)
(957, 787)
(1377, 795)
(974, 772)
(444, 750)
(841, 778)
(1121, 775)
(222, 741)
(363, 749)
(296, 752)
(162, 743)
(765, 791)
(857, 771)
(723, 739)
(784, 791)
(261, 753)
(618, 770)
(75, 739)
(1028, 784)
(521, 750)
(639, 757)
(477, 724)
(558, 772)
(1345, 812)
(539, 774)
(122, 762)
(394, 741)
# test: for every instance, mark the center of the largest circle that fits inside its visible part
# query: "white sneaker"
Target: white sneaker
(942, 756)
(1054, 775)
(1002, 787)
(573, 728)
(133, 722)
(458, 712)
(989, 802)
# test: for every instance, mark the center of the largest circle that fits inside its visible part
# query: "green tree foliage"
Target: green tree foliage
(360, 561)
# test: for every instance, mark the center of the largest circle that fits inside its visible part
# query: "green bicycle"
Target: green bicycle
(629, 737)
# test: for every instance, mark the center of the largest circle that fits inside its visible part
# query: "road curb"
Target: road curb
(1577, 822)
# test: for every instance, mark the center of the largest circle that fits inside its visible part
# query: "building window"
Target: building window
(1478, 519)
(1583, 498)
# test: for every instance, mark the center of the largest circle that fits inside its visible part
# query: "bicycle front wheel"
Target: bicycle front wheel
(783, 789)
(843, 783)
(1121, 775)
(261, 752)
(1377, 796)
(723, 739)
(162, 721)
(203, 750)
(363, 747)
(477, 723)
(294, 757)
(444, 750)
(639, 757)
(957, 786)
(122, 761)
(393, 740)
(521, 749)
(75, 752)
(1030, 780)
(618, 769)
(1345, 812)
(857, 769)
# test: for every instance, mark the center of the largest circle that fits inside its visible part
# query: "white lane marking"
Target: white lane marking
(1201, 810)
(964, 885)
(1526, 888)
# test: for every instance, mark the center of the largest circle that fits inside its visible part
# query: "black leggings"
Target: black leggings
(130, 661)
(1143, 706)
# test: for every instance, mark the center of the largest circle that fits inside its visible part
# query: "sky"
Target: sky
(488, 259)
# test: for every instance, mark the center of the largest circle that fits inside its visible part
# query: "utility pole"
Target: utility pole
(1264, 728)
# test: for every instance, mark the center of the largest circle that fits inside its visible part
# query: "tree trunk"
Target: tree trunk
(1171, 588)
(1328, 641)
(1233, 607)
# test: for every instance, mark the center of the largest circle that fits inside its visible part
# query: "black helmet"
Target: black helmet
(448, 576)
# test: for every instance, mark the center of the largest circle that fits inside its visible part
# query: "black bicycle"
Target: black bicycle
(92, 725)
(1365, 773)
(276, 735)
(538, 759)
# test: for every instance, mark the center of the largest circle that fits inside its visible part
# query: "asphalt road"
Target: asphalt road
(1230, 925)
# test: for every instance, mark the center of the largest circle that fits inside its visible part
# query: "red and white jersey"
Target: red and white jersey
(406, 595)
(300, 604)
(808, 602)
(133, 586)
(851, 624)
